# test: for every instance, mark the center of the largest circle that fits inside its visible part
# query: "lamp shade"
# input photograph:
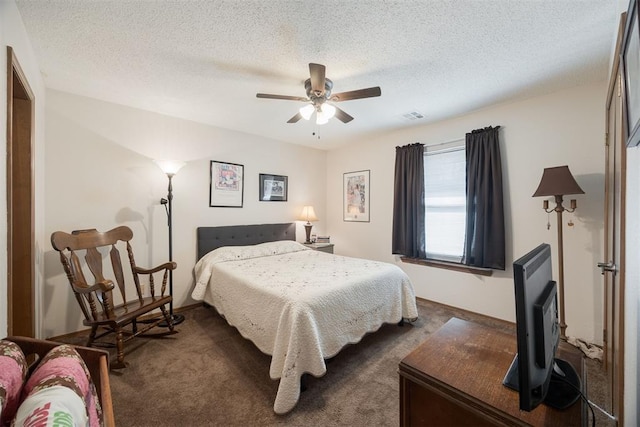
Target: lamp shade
(170, 167)
(307, 111)
(557, 181)
(308, 214)
(321, 118)
(328, 110)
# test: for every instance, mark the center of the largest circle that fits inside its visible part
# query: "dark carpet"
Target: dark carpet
(208, 375)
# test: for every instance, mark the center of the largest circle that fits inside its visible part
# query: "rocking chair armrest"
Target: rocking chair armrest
(102, 286)
(166, 266)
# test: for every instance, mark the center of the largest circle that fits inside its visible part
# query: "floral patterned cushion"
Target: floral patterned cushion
(13, 371)
(49, 392)
(55, 406)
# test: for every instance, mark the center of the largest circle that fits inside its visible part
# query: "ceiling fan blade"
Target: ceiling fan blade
(357, 94)
(285, 97)
(317, 77)
(342, 116)
(295, 118)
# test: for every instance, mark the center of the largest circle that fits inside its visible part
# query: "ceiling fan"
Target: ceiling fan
(319, 94)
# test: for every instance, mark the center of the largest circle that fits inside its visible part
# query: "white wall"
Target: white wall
(100, 173)
(12, 33)
(561, 128)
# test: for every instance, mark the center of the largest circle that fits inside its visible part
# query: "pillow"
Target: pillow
(236, 253)
(203, 267)
(13, 371)
(49, 392)
(54, 406)
(283, 247)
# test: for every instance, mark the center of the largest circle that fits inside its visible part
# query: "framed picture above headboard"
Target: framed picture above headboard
(226, 186)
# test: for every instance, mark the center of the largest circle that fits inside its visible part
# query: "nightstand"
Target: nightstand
(322, 247)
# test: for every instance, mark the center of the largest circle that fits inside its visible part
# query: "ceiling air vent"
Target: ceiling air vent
(414, 115)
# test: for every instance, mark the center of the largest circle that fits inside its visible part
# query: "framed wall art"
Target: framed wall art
(630, 61)
(356, 195)
(273, 188)
(226, 187)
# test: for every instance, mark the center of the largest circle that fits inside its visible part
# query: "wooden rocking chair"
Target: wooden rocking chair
(97, 300)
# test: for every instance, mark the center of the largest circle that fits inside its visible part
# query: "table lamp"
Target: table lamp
(308, 214)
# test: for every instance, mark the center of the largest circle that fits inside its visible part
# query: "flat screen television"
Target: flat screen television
(535, 372)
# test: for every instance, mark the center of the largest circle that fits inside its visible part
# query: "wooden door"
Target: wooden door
(612, 266)
(20, 205)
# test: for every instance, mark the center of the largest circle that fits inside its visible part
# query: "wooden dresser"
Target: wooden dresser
(455, 378)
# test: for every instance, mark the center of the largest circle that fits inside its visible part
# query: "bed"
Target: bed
(298, 305)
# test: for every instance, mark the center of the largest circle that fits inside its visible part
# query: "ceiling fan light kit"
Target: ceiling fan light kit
(324, 113)
(307, 111)
(318, 89)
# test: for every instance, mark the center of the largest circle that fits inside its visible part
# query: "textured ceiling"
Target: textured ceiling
(206, 60)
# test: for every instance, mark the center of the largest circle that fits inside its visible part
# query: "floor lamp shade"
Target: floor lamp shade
(308, 214)
(557, 182)
(170, 167)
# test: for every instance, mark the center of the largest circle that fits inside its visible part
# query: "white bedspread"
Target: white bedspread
(299, 305)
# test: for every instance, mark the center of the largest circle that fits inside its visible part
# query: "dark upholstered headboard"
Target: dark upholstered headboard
(210, 238)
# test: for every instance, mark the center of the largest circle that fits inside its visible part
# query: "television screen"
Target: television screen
(535, 372)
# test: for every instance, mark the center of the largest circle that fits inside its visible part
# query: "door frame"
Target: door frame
(20, 201)
(615, 94)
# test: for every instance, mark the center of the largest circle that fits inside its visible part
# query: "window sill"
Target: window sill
(448, 266)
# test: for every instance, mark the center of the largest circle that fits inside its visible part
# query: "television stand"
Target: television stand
(455, 378)
(564, 385)
(564, 388)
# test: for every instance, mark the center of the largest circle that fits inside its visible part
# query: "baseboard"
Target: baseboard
(453, 307)
(65, 337)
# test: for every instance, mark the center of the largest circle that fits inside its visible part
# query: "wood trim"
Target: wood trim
(613, 93)
(622, 283)
(448, 266)
(20, 200)
(616, 62)
(10, 57)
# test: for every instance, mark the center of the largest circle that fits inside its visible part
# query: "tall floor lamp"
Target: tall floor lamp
(558, 182)
(170, 168)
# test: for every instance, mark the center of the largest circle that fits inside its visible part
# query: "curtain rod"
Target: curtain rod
(462, 138)
(447, 142)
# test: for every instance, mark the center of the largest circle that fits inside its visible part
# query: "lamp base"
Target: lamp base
(307, 228)
(176, 319)
(563, 328)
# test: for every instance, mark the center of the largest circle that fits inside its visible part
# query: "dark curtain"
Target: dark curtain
(484, 238)
(408, 203)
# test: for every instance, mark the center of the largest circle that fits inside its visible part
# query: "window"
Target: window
(445, 201)
(432, 225)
